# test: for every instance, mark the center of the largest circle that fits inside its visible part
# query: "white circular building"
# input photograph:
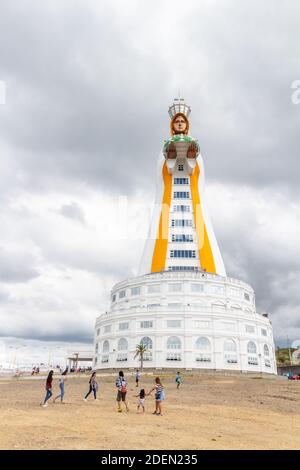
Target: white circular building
(188, 320)
(182, 306)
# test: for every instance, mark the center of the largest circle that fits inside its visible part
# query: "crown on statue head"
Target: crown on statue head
(179, 106)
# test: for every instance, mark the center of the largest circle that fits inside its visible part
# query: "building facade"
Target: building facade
(182, 306)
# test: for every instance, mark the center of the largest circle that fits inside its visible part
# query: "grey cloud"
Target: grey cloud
(4, 295)
(16, 266)
(72, 211)
(88, 103)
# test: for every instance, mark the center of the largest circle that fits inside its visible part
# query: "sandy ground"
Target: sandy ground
(207, 412)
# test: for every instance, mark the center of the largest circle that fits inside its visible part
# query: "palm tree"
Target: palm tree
(140, 351)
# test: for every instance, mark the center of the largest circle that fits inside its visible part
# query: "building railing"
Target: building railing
(182, 275)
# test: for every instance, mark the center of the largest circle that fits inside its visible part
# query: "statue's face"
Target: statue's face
(179, 125)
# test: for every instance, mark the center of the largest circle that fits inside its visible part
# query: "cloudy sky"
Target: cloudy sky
(87, 89)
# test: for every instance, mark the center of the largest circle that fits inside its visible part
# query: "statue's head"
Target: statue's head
(179, 124)
(179, 113)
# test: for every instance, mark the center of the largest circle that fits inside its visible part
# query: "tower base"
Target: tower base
(187, 320)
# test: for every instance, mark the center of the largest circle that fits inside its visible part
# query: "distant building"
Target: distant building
(296, 357)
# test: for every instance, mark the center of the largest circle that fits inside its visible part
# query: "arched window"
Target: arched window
(252, 353)
(230, 352)
(174, 343)
(123, 347)
(122, 344)
(149, 344)
(251, 348)
(203, 344)
(173, 349)
(105, 352)
(203, 350)
(229, 345)
(267, 354)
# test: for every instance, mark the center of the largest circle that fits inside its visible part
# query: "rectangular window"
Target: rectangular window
(202, 325)
(153, 306)
(182, 268)
(235, 292)
(197, 288)
(146, 324)
(122, 294)
(252, 360)
(98, 332)
(264, 332)
(231, 358)
(180, 167)
(135, 291)
(114, 298)
(175, 287)
(174, 306)
(250, 329)
(181, 181)
(181, 195)
(182, 238)
(181, 208)
(173, 323)
(122, 357)
(246, 296)
(154, 289)
(173, 356)
(215, 289)
(183, 254)
(107, 329)
(182, 223)
(105, 358)
(124, 326)
(228, 326)
(200, 357)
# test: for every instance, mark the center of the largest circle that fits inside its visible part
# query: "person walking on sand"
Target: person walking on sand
(61, 386)
(141, 402)
(93, 387)
(137, 377)
(178, 379)
(121, 385)
(159, 396)
(48, 389)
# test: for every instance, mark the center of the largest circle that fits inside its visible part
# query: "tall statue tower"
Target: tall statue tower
(182, 306)
(181, 236)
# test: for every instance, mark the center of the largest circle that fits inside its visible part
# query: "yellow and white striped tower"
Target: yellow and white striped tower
(181, 237)
(182, 306)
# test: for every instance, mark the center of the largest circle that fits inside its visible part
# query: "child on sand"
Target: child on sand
(159, 396)
(141, 402)
(178, 379)
(137, 377)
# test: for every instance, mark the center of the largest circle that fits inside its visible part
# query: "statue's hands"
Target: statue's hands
(192, 151)
(171, 152)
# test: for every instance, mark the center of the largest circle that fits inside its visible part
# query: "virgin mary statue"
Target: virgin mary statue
(181, 236)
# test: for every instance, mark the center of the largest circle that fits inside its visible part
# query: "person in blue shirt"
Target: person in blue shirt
(178, 379)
